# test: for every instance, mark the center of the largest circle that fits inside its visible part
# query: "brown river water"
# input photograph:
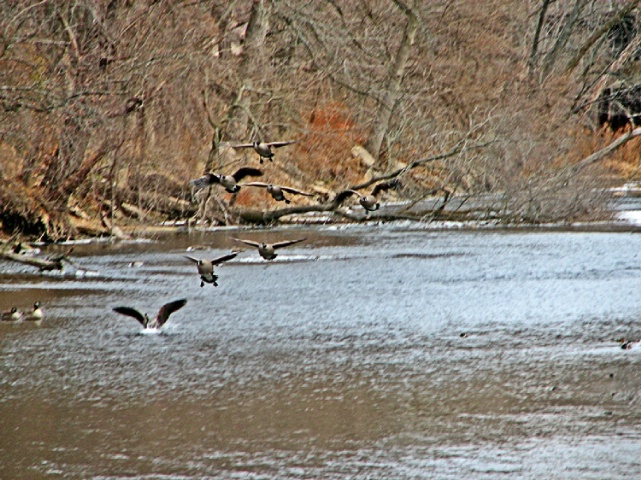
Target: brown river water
(365, 352)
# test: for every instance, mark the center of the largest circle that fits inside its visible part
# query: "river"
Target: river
(363, 352)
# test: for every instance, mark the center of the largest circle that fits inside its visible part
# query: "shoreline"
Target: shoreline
(625, 217)
(150, 233)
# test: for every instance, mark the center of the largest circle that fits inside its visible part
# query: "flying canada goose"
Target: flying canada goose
(161, 318)
(37, 313)
(229, 182)
(369, 202)
(264, 149)
(267, 250)
(14, 315)
(278, 191)
(206, 268)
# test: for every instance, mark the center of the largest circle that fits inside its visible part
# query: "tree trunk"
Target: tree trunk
(74, 180)
(537, 35)
(393, 91)
(252, 61)
(564, 36)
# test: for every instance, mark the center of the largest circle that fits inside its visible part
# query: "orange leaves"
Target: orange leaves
(331, 135)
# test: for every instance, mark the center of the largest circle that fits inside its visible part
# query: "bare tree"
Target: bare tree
(393, 88)
(107, 109)
(252, 65)
(81, 76)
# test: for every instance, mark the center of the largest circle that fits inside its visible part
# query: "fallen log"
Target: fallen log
(114, 230)
(167, 205)
(11, 251)
(44, 264)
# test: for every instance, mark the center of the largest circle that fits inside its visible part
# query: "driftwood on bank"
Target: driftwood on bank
(333, 205)
(439, 212)
(54, 262)
(165, 204)
(42, 264)
(444, 208)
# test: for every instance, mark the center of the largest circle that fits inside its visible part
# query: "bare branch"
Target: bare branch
(604, 152)
(564, 35)
(605, 28)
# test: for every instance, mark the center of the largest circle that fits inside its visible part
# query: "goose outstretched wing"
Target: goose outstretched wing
(296, 191)
(205, 181)
(280, 144)
(169, 308)
(247, 172)
(380, 187)
(247, 242)
(224, 258)
(132, 312)
(287, 243)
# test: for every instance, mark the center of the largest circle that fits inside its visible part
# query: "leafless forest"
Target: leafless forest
(109, 108)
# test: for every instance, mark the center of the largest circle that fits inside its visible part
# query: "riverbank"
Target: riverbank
(624, 208)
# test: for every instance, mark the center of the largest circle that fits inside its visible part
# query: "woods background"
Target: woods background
(108, 108)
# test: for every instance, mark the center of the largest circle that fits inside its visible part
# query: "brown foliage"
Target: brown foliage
(330, 136)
